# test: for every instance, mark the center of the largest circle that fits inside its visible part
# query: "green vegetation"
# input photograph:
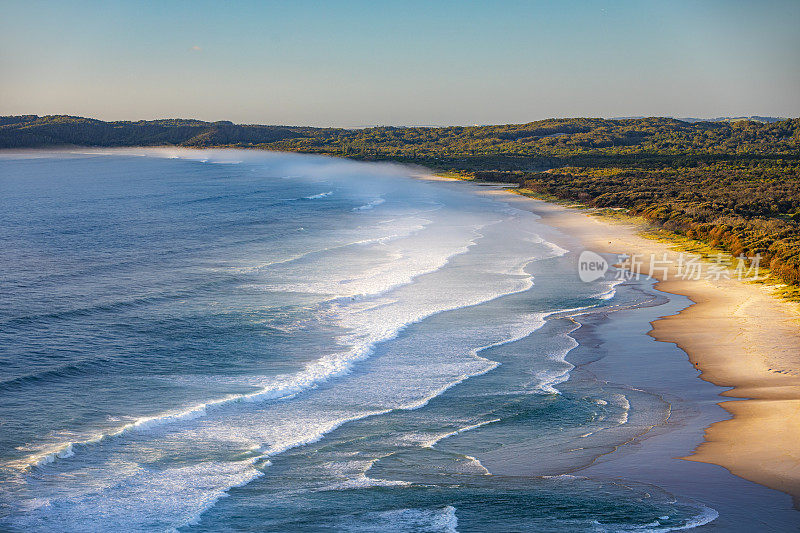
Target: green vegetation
(744, 208)
(733, 185)
(30, 131)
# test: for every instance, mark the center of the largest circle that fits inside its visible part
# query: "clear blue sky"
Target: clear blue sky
(352, 63)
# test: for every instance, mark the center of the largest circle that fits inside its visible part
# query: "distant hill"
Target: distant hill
(544, 139)
(753, 118)
(54, 130)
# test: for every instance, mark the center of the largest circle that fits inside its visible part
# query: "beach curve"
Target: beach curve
(750, 342)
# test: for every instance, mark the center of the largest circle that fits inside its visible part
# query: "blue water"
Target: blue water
(223, 340)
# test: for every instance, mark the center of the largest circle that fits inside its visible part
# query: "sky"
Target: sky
(357, 63)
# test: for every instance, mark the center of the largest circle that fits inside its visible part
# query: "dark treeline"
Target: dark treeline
(732, 184)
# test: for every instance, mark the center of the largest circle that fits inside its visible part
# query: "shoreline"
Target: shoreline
(737, 335)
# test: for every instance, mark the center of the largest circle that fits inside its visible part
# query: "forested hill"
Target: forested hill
(31, 131)
(735, 185)
(541, 143)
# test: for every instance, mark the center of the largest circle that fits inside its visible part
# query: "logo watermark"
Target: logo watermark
(591, 266)
(682, 266)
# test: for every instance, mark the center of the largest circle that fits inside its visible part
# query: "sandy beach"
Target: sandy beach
(737, 335)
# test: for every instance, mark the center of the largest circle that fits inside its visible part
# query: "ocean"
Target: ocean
(244, 341)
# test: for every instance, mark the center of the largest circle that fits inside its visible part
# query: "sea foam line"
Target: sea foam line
(262, 459)
(706, 515)
(318, 196)
(332, 366)
(432, 442)
(317, 372)
(538, 320)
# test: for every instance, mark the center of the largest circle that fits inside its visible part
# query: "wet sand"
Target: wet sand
(739, 337)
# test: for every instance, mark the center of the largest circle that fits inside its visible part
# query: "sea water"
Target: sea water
(238, 340)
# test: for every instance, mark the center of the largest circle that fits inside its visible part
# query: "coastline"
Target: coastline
(748, 339)
(657, 409)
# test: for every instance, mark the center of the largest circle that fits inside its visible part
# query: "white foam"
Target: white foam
(478, 465)
(706, 516)
(621, 401)
(396, 261)
(411, 228)
(432, 442)
(365, 482)
(415, 519)
(371, 205)
(363, 340)
(318, 196)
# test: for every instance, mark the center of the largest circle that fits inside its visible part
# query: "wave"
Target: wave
(209, 503)
(431, 443)
(284, 387)
(555, 249)
(412, 519)
(314, 373)
(705, 516)
(184, 293)
(217, 197)
(362, 480)
(317, 196)
(548, 378)
(621, 401)
(74, 369)
(361, 242)
(117, 305)
(371, 205)
(116, 266)
(99, 307)
(403, 277)
(288, 386)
